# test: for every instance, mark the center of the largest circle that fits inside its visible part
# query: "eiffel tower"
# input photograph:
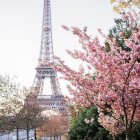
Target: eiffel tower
(55, 100)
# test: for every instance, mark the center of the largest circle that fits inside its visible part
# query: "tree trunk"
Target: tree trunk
(128, 135)
(27, 132)
(35, 134)
(17, 133)
(113, 137)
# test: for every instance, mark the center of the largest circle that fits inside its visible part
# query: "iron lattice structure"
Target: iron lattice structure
(43, 71)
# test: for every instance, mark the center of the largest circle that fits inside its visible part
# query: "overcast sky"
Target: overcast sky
(20, 31)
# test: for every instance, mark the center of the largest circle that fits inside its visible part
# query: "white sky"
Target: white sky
(20, 31)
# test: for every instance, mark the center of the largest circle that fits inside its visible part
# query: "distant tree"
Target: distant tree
(55, 126)
(12, 120)
(31, 117)
(16, 111)
(12, 100)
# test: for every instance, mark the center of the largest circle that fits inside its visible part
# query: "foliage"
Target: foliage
(9, 89)
(92, 130)
(121, 32)
(122, 4)
(12, 100)
(11, 103)
(85, 126)
(115, 89)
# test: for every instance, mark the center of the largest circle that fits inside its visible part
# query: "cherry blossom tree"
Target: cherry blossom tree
(110, 80)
